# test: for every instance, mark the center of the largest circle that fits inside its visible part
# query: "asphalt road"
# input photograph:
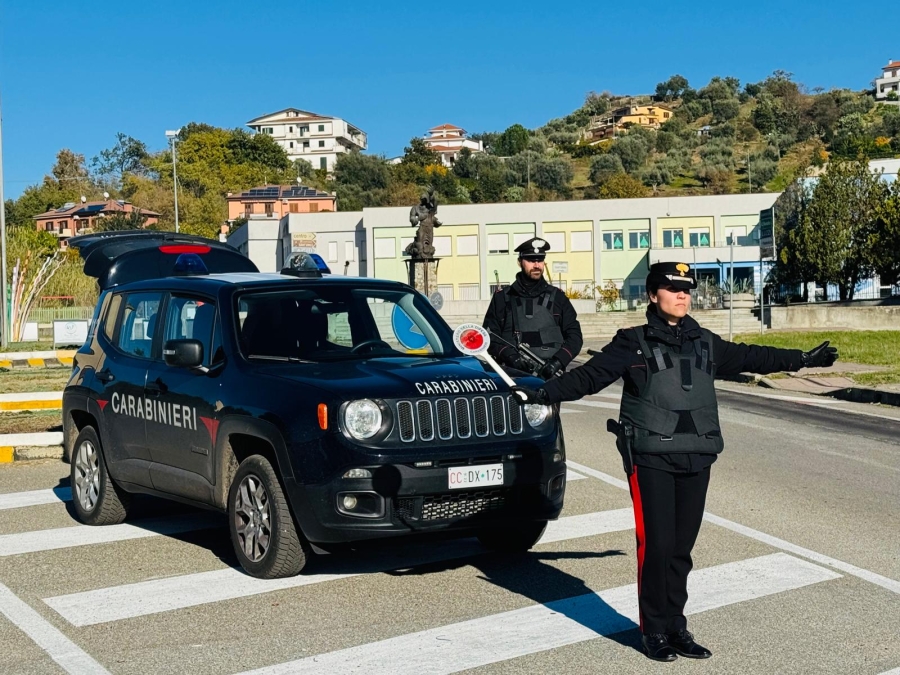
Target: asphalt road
(797, 570)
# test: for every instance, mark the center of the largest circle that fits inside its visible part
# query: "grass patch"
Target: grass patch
(29, 347)
(870, 347)
(28, 422)
(23, 380)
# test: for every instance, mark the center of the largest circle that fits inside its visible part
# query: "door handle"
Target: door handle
(157, 386)
(105, 376)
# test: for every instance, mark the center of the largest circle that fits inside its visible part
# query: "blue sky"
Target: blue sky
(73, 73)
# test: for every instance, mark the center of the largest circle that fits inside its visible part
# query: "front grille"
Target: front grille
(448, 506)
(458, 418)
(405, 508)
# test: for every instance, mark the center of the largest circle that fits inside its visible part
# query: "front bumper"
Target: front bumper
(401, 498)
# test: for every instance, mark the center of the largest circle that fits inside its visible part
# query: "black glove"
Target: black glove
(523, 395)
(550, 368)
(820, 357)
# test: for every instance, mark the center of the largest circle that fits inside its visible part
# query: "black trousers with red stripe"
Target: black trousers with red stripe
(668, 511)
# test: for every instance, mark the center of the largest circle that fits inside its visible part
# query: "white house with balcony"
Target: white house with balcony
(889, 82)
(448, 140)
(317, 139)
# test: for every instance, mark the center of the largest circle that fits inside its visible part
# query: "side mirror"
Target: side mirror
(183, 353)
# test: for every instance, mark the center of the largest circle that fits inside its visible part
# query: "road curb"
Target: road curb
(867, 395)
(16, 447)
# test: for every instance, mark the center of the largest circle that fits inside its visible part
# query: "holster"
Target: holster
(624, 442)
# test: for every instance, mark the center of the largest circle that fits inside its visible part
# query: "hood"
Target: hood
(399, 377)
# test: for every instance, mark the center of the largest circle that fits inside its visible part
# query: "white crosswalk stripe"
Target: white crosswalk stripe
(572, 475)
(15, 500)
(84, 535)
(161, 595)
(500, 637)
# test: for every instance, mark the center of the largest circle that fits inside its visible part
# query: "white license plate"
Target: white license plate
(474, 476)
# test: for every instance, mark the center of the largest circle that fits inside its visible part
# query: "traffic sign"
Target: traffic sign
(767, 234)
(407, 332)
(436, 300)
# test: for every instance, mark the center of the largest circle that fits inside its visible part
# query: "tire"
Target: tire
(517, 538)
(95, 496)
(263, 533)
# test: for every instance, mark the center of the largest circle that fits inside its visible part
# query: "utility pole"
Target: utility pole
(731, 291)
(172, 135)
(749, 177)
(4, 310)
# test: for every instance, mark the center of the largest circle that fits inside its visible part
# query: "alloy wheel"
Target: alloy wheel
(87, 476)
(253, 520)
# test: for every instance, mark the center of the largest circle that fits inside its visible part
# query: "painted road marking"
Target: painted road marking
(538, 628)
(872, 577)
(15, 500)
(86, 535)
(162, 595)
(57, 646)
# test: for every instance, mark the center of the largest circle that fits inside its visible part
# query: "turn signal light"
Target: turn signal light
(323, 416)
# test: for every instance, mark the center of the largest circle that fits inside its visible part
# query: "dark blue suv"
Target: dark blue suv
(311, 408)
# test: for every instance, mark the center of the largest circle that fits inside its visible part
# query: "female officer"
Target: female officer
(669, 436)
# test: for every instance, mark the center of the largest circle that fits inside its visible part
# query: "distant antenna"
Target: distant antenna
(83, 199)
(105, 195)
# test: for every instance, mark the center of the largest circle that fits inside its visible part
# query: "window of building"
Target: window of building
(673, 238)
(270, 207)
(498, 243)
(349, 251)
(613, 241)
(582, 241)
(248, 209)
(698, 236)
(323, 163)
(294, 207)
(467, 244)
(321, 144)
(49, 226)
(738, 234)
(446, 291)
(290, 130)
(313, 207)
(521, 238)
(306, 145)
(585, 287)
(63, 224)
(304, 130)
(469, 291)
(386, 247)
(557, 241)
(292, 144)
(560, 284)
(404, 242)
(665, 115)
(638, 239)
(442, 246)
(321, 127)
(332, 251)
(268, 130)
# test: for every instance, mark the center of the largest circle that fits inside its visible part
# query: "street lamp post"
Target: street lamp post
(172, 135)
(4, 312)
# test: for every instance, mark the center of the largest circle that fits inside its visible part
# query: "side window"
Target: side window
(111, 316)
(139, 323)
(193, 319)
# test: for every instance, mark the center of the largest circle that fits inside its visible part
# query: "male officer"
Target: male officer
(669, 436)
(533, 312)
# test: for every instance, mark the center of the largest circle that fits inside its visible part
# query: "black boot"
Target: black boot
(683, 643)
(657, 647)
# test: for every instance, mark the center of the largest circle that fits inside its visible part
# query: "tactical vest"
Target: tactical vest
(676, 410)
(534, 323)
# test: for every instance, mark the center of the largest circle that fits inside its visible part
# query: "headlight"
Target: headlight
(362, 419)
(536, 414)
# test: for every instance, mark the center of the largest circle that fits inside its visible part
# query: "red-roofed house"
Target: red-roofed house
(72, 219)
(888, 82)
(447, 140)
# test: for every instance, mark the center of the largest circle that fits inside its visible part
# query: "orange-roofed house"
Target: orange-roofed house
(276, 201)
(889, 82)
(448, 140)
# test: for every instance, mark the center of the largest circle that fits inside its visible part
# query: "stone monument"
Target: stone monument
(422, 265)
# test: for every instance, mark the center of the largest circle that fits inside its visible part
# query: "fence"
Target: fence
(46, 315)
(781, 294)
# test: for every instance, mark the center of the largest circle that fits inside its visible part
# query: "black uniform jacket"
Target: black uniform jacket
(499, 319)
(622, 358)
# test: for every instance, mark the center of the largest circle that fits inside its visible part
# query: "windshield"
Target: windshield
(333, 323)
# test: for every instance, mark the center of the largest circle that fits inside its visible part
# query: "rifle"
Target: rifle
(535, 361)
